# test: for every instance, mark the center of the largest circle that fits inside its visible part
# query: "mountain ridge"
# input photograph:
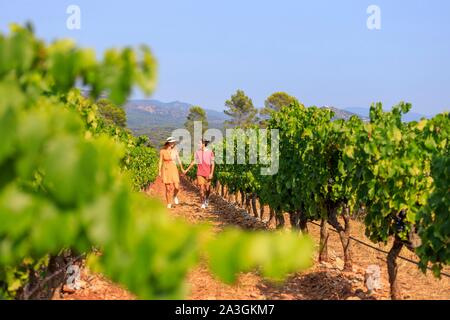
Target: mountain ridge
(154, 113)
(142, 113)
(158, 119)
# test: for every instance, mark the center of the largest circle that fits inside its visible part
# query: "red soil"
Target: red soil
(322, 281)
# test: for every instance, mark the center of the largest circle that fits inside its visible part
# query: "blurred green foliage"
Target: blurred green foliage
(67, 178)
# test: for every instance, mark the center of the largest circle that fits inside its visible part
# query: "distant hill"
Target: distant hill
(344, 114)
(410, 116)
(144, 114)
(158, 119)
(153, 113)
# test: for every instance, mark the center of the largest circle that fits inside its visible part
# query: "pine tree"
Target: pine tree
(275, 101)
(241, 111)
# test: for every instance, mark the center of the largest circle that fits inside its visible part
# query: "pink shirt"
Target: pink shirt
(204, 160)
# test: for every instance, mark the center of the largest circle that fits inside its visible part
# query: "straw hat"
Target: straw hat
(171, 140)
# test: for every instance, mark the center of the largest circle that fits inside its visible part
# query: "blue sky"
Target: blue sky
(319, 51)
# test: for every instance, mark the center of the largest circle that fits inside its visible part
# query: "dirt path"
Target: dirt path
(323, 281)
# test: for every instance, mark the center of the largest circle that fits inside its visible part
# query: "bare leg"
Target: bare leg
(202, 193)
(207, 190)
(176, 189)
(168, 192)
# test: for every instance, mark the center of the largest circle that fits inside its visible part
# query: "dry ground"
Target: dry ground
(323, 281)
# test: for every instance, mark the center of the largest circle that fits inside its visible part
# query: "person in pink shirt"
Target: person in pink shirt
(204, 158)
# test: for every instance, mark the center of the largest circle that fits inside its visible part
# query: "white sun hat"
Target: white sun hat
(171, 140)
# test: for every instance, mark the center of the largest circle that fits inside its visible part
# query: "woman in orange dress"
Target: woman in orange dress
(168, 171)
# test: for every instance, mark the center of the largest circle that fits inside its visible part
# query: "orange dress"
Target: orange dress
(169, 172)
